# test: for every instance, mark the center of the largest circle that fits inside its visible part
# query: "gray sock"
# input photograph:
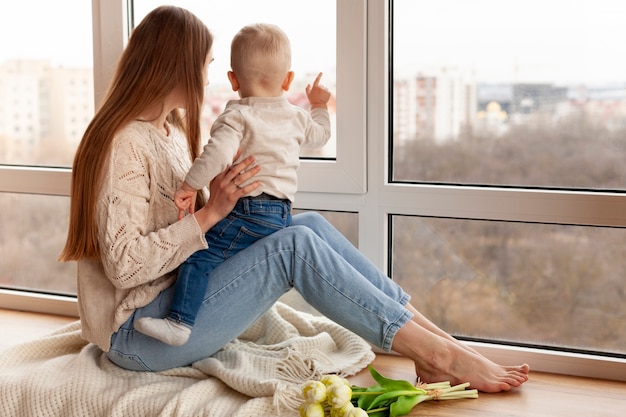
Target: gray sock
(165, 330)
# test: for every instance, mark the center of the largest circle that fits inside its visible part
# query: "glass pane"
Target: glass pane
(46, 80)
(29, 254)
(313, 37)
(346, 222)
(531, 93)
(542, 284)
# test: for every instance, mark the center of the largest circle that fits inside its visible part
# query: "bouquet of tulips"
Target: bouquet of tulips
(334, 396)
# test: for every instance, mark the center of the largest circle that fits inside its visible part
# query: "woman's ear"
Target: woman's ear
(234, 82)
(287, 81)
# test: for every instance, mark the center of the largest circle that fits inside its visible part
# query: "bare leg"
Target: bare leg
(420, 319)
(440, 357)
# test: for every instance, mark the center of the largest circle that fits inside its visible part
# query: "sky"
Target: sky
(67, 38)
(573, 41)
(530, 41)
(311, 30)
(36, 29)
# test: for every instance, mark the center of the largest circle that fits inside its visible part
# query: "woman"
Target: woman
(125, 233)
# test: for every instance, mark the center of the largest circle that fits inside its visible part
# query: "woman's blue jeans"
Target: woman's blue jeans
(250, 220)
(310, 256)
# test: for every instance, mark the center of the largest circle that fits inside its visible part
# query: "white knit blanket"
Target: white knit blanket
(258, 374)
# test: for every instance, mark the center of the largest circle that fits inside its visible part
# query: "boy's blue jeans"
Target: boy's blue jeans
(250, 220)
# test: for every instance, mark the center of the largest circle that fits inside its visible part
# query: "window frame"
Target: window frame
(347, 172)
(358, 181)
(484, 203)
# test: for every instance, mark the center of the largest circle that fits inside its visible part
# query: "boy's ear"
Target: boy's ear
(234, 82)
(287, 81)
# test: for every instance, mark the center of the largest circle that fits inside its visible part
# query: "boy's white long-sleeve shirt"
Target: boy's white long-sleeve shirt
(273, 131)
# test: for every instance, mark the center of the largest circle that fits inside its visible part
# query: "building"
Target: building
(42, 104)
(436, 107)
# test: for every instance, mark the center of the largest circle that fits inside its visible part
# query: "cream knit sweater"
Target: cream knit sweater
(141, 241)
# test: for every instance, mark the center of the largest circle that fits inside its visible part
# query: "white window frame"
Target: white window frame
(346, 174)
(358, 180)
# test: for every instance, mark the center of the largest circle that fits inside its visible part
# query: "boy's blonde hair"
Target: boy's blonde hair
(261, 53)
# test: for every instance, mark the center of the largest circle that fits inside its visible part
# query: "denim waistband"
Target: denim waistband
(264, 196)
(263, 203)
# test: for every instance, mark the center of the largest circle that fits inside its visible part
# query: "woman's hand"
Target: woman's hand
(225, 190)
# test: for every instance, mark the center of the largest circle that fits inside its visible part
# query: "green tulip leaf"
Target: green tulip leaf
(391, 396)
(392, 384)
(404, 404)
(364, 401)
(381, 413)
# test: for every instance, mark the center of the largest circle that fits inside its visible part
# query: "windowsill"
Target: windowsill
(22, 326)
(48, 304)
(544, 394)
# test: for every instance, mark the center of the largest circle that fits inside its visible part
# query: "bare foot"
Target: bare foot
(439, 359)
(482, 374)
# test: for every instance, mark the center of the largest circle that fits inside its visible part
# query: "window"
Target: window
(29, 254)
(308, 58)
(507, 131)
(46, 101)
(532, 94)
(318, 45)
(396, 211)
(46, 81)
(521, 283)
(48, 88)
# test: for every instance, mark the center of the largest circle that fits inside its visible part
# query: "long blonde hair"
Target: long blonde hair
(167, 49)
